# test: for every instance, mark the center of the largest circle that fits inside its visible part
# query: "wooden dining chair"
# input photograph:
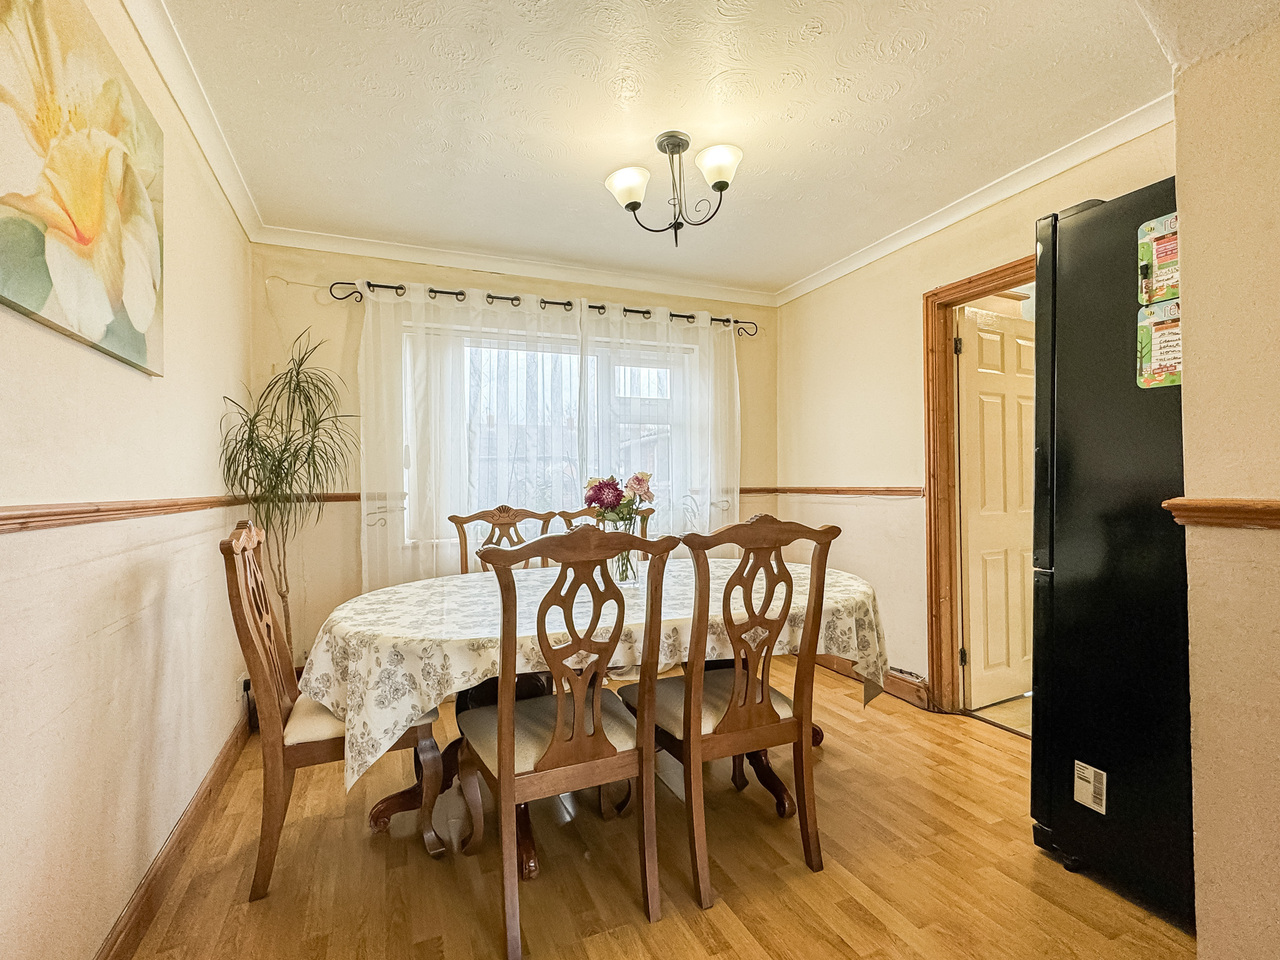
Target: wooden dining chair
(711, 714)
(504, 529)
(581, 735)
(296, 731)
(570, 518)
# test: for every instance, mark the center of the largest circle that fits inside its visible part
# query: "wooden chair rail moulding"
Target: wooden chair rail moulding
(46, 516)
(1225, 512)
(942, 540)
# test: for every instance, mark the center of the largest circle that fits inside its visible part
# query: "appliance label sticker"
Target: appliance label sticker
(1091, 787)
(1160, 345)
(1158, 273)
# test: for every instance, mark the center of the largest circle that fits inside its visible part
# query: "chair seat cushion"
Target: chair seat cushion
(311, 721)
(717, 691)
(535, 726)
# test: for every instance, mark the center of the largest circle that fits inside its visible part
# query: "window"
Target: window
(465, 406)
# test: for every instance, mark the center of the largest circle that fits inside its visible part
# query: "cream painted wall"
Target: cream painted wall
(851, 381)
(1228, 194)
(120, 660)
(291, 293)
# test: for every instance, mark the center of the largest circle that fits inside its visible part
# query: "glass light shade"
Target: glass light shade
(628, 185)
(718, 164)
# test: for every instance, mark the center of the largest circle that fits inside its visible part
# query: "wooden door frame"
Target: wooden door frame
(942, 539)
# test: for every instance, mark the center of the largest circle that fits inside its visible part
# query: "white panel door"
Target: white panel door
(996, 444)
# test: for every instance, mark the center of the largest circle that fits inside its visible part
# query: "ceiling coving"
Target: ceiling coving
(486, 126)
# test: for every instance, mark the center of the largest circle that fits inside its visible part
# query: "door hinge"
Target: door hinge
(957, 344)
(964, 657)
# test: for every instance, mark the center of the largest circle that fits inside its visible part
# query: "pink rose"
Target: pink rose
(638, 486)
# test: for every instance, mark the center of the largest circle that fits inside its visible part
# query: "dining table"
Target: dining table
(386, 658)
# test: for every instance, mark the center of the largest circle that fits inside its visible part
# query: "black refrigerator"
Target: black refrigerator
(1111, 724)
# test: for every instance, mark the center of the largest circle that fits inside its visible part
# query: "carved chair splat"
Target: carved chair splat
(504, 530)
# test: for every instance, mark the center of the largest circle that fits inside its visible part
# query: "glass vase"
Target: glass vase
(624, 565)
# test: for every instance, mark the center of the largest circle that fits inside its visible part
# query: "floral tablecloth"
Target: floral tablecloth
(388, 657)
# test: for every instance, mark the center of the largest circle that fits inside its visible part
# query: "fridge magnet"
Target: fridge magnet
(81, 185)
(1160, 345)
(1158, 273)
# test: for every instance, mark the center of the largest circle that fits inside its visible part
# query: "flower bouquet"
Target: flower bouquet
(619, 506)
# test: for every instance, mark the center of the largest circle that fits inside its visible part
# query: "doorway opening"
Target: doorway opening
(995, 443)
(979, 403)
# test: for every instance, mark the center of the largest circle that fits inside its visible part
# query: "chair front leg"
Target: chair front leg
(428, 754)
(525, 844)
(469, 780)
(277, 787)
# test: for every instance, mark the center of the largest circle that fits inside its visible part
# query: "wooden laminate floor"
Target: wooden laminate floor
(925, 836)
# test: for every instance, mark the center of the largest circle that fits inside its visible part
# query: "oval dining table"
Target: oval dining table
(388, 657)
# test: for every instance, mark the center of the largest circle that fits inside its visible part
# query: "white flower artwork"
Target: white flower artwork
(81, 185)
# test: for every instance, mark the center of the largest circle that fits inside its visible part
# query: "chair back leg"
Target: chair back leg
(510, 876)
(277, 788)
(802, 759)
(648, 831)
(697, 816)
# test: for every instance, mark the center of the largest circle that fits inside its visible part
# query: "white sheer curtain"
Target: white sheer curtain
(466, 405)
(663, 397)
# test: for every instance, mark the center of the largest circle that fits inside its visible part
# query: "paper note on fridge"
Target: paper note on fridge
(1158, 274)
(1160, 345)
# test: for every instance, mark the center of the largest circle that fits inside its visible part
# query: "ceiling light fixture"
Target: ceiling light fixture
(718, 165)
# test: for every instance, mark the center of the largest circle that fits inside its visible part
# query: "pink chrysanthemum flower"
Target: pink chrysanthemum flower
(604, 494)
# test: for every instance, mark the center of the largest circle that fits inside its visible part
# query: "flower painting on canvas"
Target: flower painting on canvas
(81, 173)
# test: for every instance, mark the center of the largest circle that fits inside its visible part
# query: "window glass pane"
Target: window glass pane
(646, 383)
(521, 426)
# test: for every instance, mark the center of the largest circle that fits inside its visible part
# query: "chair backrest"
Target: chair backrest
(571, 517)
(752, 633)
(263, 644)
(504, 529)
(576, 655)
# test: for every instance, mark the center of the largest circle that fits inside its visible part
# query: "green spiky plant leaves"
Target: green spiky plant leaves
(283, 452)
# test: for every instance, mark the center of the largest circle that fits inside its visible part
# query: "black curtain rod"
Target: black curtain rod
(743, 328)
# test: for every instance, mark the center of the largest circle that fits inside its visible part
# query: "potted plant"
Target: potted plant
(284, 451)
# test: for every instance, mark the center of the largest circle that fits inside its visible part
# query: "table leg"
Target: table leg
(759, 761)
(614, 799)
(410, 798)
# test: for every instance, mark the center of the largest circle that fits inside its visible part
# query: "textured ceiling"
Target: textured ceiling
(488, 127)
(1190, 30)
